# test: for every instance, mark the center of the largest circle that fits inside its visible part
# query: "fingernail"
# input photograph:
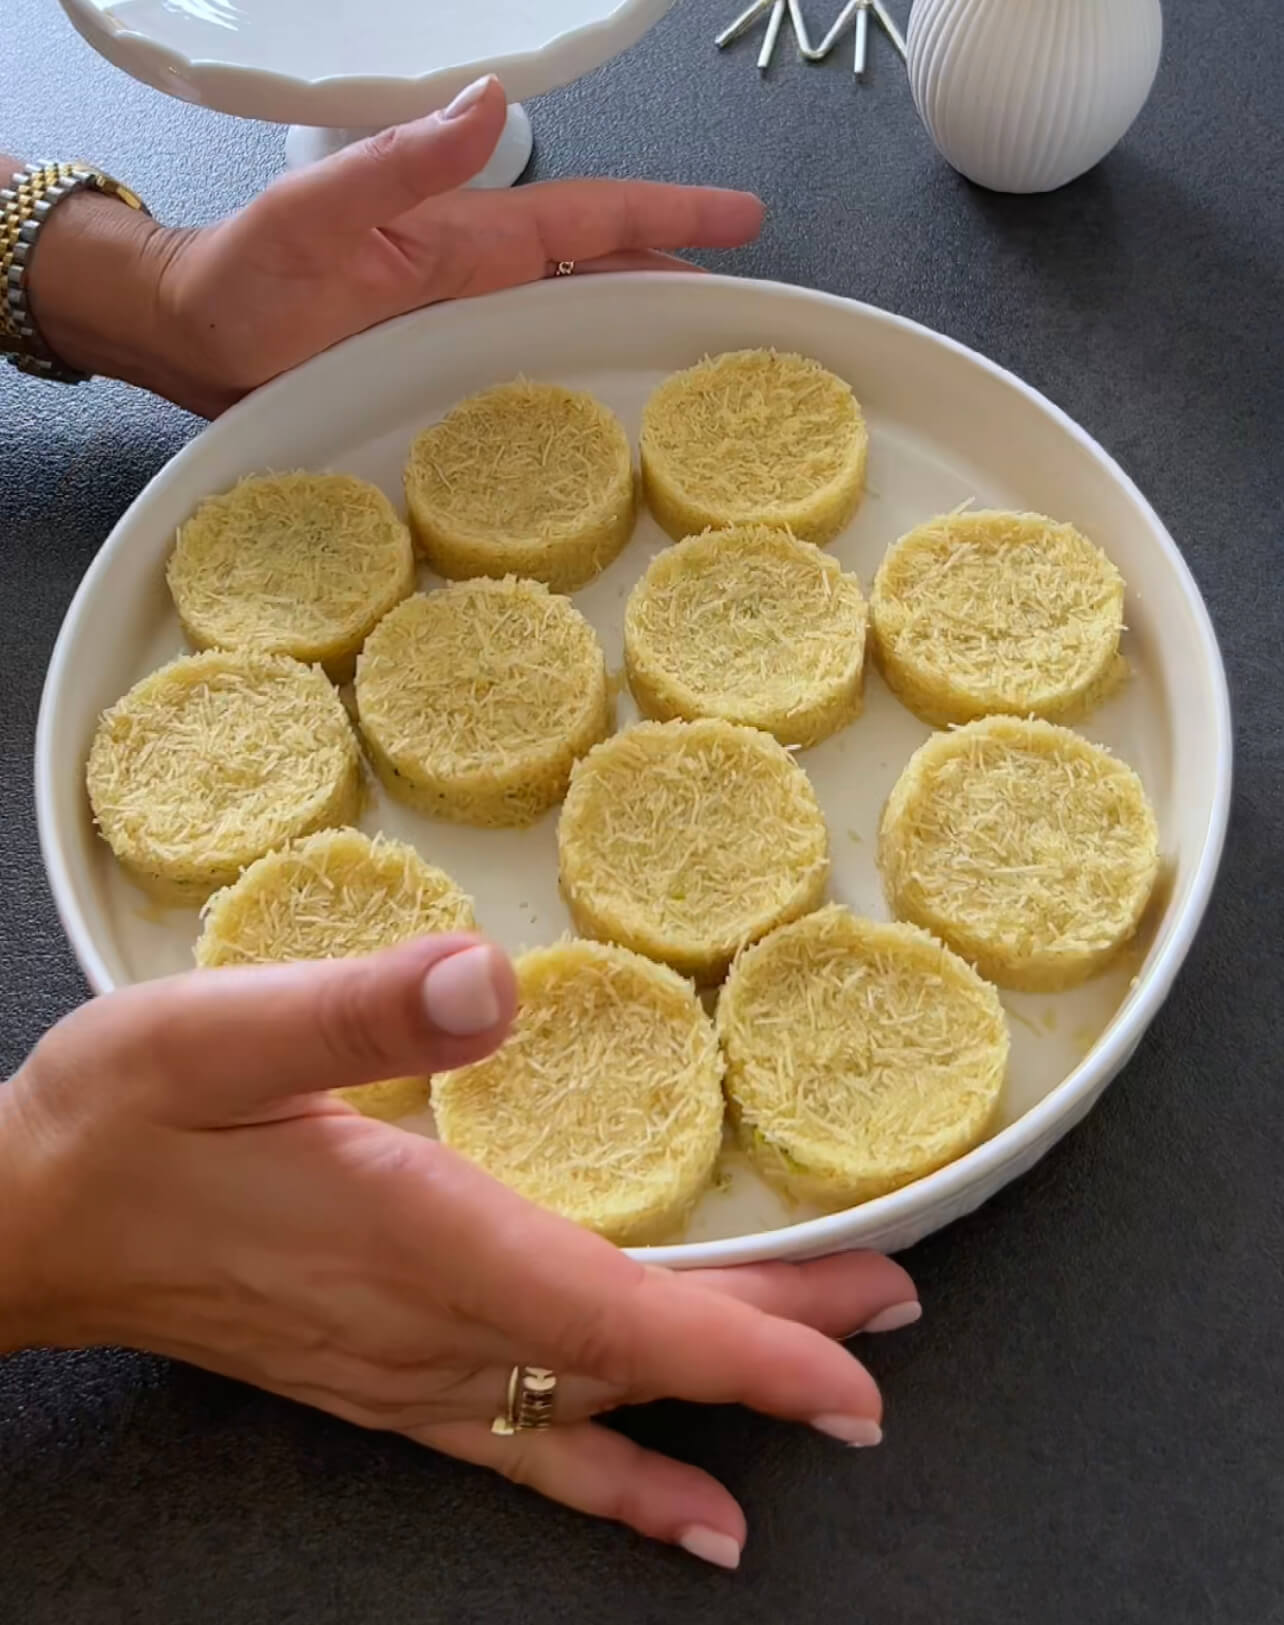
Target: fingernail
(459, 993)
(468, 97)
(711, 1546)
(893, 1319)
(856, 1430)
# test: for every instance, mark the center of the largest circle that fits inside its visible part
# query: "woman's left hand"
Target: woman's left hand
(379, 229)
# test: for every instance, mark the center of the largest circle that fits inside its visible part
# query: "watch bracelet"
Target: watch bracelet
(26, 203)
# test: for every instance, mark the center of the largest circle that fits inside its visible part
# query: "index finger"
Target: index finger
(583, 220)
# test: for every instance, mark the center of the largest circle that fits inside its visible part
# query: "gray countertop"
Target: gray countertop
(1086, 1427)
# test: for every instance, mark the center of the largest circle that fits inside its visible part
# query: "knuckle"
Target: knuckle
(54, 1076)
(517, 1463)
(627, 1505)
(385, 1164)
(596, 1347)
(350, 1035)
(363, 1413)
(385, 146)
(51, 1063)
(359, 1389)
(398, 153)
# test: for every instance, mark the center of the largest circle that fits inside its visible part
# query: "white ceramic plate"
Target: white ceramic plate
(945, 426)
(297, 62)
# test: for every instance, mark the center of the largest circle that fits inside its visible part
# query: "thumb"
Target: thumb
(217, 1046)
(375, 181)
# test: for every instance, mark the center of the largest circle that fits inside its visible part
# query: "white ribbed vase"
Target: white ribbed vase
(1023, 95)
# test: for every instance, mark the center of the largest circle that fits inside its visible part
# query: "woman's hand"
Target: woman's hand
(378, 229)
(173, 1182)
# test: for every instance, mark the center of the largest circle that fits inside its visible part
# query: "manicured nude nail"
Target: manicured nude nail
(893, 1319)
(711, 1546)
(469, 97)
(459, 993)
(856, 1430)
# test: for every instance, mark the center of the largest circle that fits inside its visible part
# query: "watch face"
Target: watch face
(117, 189)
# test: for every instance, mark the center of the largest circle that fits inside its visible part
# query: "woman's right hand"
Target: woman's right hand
(176, 1182)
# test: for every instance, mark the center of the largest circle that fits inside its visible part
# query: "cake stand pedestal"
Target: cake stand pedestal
(335, 73)
(305, 143)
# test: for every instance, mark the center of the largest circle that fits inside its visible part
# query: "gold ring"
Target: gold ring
(529, 1401)
(564, 268)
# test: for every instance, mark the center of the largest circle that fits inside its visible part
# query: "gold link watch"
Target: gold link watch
(25, 204)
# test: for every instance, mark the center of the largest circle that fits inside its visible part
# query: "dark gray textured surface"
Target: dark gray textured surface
(1087, 1425)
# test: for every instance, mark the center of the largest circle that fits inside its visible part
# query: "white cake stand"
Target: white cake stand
(335, 70)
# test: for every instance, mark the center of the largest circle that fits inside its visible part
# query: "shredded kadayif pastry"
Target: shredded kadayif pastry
(687, 840)
(751, 625)
(475, 701)
(216, 759)
(605, 1104)
(526, 479)
(754, 437)
(335, 895)
(860, 1056)
(296, 564)
(1030, 851)
(976, 613)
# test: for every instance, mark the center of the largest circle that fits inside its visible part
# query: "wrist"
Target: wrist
(26, 1301)
(97, 287)
(47, 1288)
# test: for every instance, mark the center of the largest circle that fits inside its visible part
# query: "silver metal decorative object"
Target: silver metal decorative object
(854, 15)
